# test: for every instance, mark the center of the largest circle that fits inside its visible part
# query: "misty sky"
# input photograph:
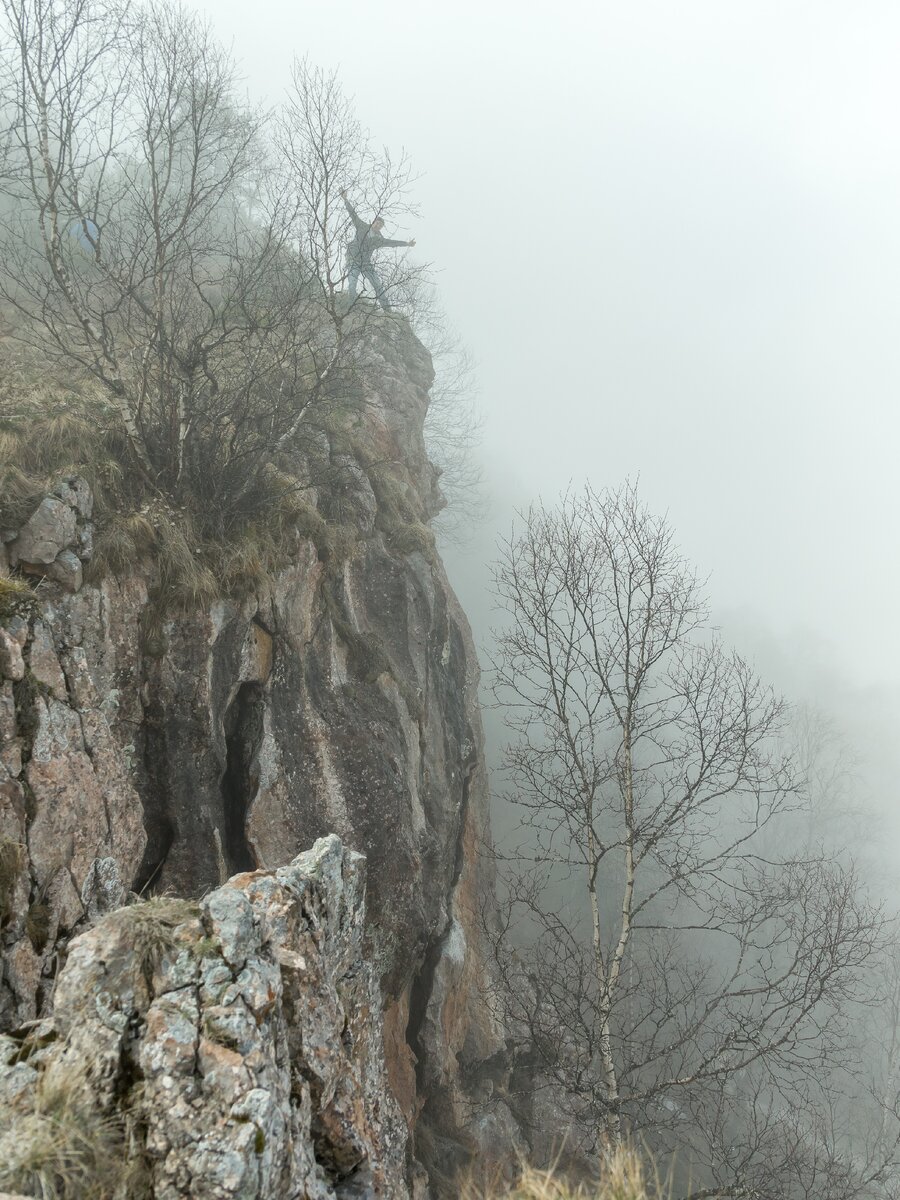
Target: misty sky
(669, 235)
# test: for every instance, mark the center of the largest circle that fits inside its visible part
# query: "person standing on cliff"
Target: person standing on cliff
(366, 240)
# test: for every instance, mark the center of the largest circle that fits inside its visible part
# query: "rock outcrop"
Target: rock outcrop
(228, 1048)
(151, 753)
(58, 536)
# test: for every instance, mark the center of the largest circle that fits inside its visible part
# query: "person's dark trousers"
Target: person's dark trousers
(368, 273)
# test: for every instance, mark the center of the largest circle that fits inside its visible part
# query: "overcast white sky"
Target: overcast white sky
(669, 234)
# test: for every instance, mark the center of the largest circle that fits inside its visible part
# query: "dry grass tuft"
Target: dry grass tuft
(20, 494)
(623, 1177)
(16, 597)
(141, 531)
(412, 538)
(114, 554)
(124, 542)
(245, 567)
(10, 445)
(151, 927)
(186, 583)
(48, 429)
(62, 1146)
(13, 591)
(63, 438)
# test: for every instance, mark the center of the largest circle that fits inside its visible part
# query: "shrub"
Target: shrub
(412, 537)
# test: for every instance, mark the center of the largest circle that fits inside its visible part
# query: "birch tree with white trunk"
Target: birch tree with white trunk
(656, 960)
(167, 239)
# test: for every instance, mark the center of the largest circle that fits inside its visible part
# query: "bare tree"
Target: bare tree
(828, 770)
(62, 64)
(127, 250)
(325, 151)
(453, 426)
(157, 237)
(667, 978)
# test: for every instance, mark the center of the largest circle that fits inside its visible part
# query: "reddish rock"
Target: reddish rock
(335, 701)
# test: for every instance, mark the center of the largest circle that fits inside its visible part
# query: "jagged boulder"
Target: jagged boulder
(58, 536)
(46, 533)
(229, 1048)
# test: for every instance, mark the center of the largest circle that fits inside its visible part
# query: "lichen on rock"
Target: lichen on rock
(230, 1048)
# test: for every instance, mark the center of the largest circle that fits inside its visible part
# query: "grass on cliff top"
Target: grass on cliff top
(55, 427)
(152, 926)
(623, 1177)
(49, 432)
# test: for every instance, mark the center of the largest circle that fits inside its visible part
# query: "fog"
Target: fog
(668, 234)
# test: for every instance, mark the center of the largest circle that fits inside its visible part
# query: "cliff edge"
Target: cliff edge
(157, 752)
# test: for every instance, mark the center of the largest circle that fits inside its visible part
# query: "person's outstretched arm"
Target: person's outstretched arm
(360, 224)
(378, 242)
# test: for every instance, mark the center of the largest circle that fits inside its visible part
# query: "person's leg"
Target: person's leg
(353, 279)
(376, 283)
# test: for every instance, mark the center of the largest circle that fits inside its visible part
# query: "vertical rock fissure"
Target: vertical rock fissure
(240, 782)
(423, 984)
(159, 825)
(420, 994)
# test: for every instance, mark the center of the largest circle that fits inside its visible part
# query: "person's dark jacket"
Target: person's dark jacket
(365, 241)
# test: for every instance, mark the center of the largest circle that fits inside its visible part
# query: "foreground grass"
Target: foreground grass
(60, 1146)
(622, 1178)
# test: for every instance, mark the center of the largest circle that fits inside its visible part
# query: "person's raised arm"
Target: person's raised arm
(354, 215)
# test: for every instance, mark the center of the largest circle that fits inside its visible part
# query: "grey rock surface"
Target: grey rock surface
(75, 491)
(66, 569)
(47, 532)
(12, 665)
(58, 536)
(241, 1036)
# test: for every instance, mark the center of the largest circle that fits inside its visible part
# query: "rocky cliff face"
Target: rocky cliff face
(165, 755)
(226, 1048)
